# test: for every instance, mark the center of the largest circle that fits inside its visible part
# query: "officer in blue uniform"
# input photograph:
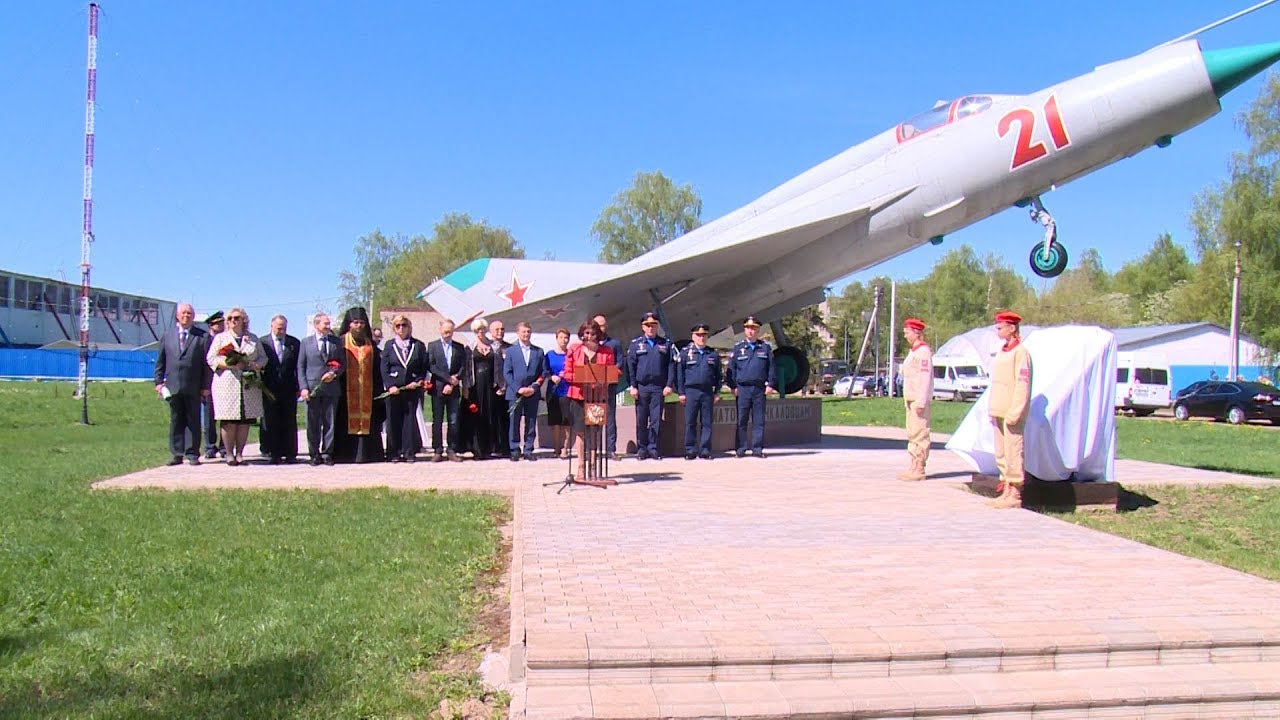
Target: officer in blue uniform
(698, 380)
(751, 376)
(652, 377)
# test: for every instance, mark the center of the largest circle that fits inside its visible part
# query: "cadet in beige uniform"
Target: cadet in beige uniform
(917, 393)
(1010, 396)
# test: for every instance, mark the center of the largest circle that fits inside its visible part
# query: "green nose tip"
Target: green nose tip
(1232, 66)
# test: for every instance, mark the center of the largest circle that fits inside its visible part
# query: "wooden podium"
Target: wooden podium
(594, 379)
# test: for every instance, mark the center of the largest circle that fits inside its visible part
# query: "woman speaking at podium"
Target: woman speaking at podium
(588, 352)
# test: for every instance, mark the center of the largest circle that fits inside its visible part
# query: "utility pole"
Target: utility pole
(872, 317)
(1235, 319)
(893, 329)
(846, 339)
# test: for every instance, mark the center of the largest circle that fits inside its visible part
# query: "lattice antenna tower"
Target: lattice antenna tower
(86, 230)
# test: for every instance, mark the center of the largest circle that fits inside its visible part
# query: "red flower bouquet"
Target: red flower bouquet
(230, 355)
(233, 359)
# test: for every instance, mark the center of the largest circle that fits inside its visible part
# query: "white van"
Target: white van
(1142, 382)
(959, 378)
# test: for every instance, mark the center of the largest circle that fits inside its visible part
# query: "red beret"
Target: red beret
(913, 323)
(1009, 316)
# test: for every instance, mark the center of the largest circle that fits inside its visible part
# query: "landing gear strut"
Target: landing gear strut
(1048, 257)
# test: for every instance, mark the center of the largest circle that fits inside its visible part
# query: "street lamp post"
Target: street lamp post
(1235, 318)
(846, 340)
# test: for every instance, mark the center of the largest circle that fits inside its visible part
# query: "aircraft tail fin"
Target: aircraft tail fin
(489, 285)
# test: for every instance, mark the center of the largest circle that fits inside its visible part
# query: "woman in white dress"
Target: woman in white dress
(236, 406)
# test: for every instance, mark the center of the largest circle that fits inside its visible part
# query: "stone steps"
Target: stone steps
(1197, 690)
(672, 657)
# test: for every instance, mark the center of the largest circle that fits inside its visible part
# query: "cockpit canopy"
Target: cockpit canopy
(943, 114)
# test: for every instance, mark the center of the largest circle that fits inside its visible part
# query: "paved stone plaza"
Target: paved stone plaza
(813, 584)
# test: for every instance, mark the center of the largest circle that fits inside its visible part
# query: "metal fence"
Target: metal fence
(65, 364)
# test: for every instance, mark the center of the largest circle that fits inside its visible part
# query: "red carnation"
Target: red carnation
(334, 365)
(473, 408)
(230, 355)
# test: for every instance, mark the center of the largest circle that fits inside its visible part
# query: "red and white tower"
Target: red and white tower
(86, 230)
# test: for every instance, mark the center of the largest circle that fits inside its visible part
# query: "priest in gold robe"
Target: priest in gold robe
(359, 423)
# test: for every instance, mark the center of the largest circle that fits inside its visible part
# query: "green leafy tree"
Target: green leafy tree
(373, 253)
(802, 329)
(1083, 295)
(455, 241)
(1242, 214)
(1149, 280)
(652, 212)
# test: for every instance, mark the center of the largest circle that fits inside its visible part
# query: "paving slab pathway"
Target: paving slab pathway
(812, 583)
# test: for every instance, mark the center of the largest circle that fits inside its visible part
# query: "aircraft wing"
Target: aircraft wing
(688, 278)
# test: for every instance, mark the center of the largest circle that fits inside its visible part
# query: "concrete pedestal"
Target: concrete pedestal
(1056, 495)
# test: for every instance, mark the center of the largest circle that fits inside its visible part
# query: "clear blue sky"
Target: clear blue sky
(253, 142)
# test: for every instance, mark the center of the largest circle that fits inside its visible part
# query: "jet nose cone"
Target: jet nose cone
(1232, 66)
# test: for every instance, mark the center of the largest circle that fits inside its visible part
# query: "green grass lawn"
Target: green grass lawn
(1244, 449)
(1238, 527)
(234, 604)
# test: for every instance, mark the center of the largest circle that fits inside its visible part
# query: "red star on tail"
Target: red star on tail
(516, 294)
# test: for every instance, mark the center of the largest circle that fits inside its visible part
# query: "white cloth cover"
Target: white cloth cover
(1071, 426)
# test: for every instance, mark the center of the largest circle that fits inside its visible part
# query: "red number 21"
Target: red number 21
(1024, 151)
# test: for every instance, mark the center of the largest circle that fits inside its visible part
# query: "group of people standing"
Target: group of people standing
(1008, 401)
(484, 397)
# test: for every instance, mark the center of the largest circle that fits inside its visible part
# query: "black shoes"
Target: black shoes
(314, 461)
(515, 458)
(329, 461)
(175, 460)
(397, 459)
(705, 456)
(529, 456)
(642, 454)
(690, 456)
(740, 453)
(193, 461)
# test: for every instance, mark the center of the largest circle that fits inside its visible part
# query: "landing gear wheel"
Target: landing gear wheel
(792, 368)
(1051, 266)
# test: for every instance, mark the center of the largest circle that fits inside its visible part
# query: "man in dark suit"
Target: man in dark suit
(321, 360)
(501, 414)
(278, 434)
(182, 378)
(522, 373)
(446, 361)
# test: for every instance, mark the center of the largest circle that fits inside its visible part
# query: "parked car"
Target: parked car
(1191, 388)
(1142, 382)
(841, 387)
(1235, 402)
(959, 378)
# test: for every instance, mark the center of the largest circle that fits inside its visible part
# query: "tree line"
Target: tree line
(1166, 285)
